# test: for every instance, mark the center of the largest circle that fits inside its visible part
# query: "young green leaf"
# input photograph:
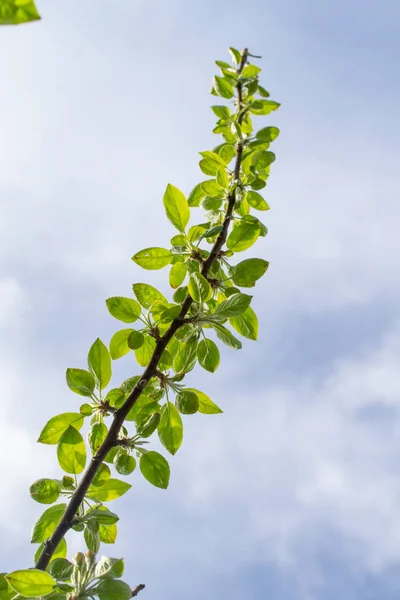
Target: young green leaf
(187, 402)
(147, 294)
(142, 409)
(221, 111)
(263, 92)
(113, 589)
(199, 288)
(243, 236)
(71, 451)
(256, 201)
(250, 71)
(124, 463)
(59, 553)
(86, 410)
(135, 340)
(119, 343)
(99, 361)
(236, 56)
(109, 568)
(31, 582)
(92, 537)
(176, 207)
(96, 436)
(103, 474)
(170, 429)
(47, 523)
(54, 428)
(45, 491)
(186, 357)
(112, 489)
(80, 381)
(60, 568)
(223, 87)
(124, 309)
(145, 352)
(206, 405)
(247, 272)
(155, 469)
(108, 533)
(208, 355)
(263, 107)
(226, 336)
(177, 274)
(196, 195)
(15, 12)
(246, 324)
(269, 134)
(211, 188)
(153, 258)
(233, 306)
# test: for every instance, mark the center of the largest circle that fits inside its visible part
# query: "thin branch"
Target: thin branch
(120, 415)
(138, 589)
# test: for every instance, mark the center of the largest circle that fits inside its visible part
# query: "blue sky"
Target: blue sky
(293, 493)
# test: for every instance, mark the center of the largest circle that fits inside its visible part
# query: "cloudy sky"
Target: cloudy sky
(294, 492)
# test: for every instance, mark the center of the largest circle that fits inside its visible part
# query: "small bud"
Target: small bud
(79, 558)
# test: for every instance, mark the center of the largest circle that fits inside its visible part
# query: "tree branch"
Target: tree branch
(150, 371)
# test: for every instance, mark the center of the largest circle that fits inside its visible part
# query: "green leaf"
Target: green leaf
(221, 111)
(250, 71)
(226, 152)
(212, 188)
(54, 428)
(243, 236)
(15, 12)
(46, 525)
(124, 463)
(60, 552)
(176, 207)
(222, 177)
(177, 274)
(155, 469)
(115, 397)
(99, 361)
(208, 355)
(199, 288)
(196, 195)
(263, 107)
(96, 436)
(187, 402)
(233, 306)
(153, 258)
(263, 92)
(92, 536)
(135, 340)
(119, 343)
(101, 515)
(226, 336)
(108, 533)
(268, 134)
(247, 272)
(186, 357)
(80, 381)
(246, 324)
(196, 231)
(103, 474)
(86, 410)
(113, 589)
(109, 568)
(236, 56)
(142, 409)
(45, 491)
(147, 294)
(223, 87)
(31, 582)
(262, 159)
(256, 201)
(124, 309)
(178, 240)
(71, 451)
(61, 569)
(6, 593)
(112, 489)
(170, 429)
(145, 352)
(206, 405)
